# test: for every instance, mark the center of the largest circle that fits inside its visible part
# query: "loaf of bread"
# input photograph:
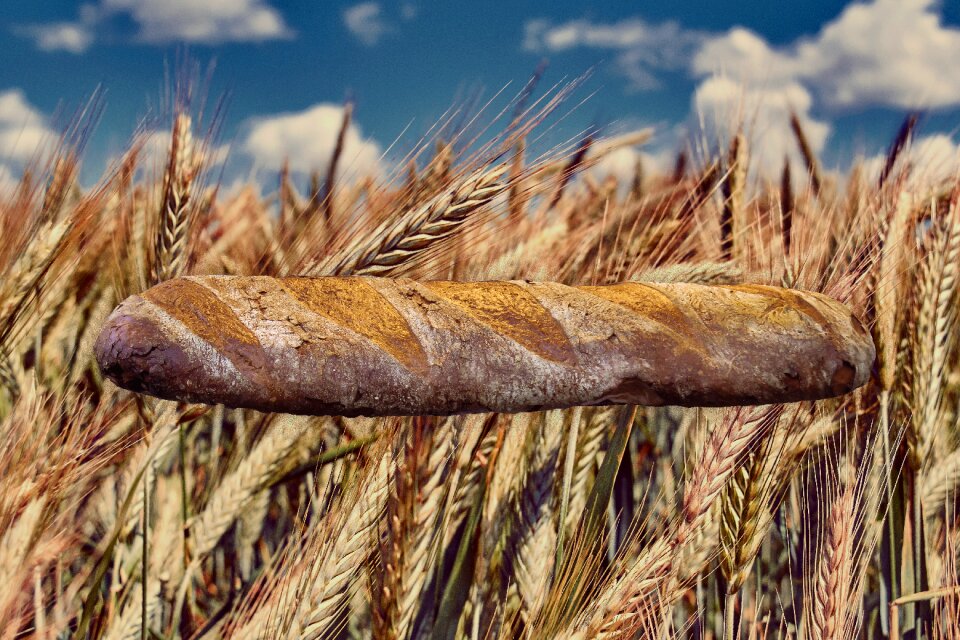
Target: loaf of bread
(375, 346)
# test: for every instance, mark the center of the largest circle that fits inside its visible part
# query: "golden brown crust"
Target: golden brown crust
(373, 346)
(202, 312)
(510, 311)
(214, 322)
(353, 303)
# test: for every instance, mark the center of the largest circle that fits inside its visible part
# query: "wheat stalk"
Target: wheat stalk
(887, 293)
(237, 491)
(326, 586)
(733, 188)
(249, 528)
(809, 157)
(940, 486)
(176, 211)
(834, 571)
(16, 543)
(469, 485)
(165, 539)
(395, 243)
(589, 443)
(413, 516)
(21, 279)
(723, 452)
(936, 319)
(534, 533)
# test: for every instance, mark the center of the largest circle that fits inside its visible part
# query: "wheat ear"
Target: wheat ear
(589, 443)
(936, 320)
(534, 533)
(650, 585)
(394, 243)
(239, 489)
(341, 556)
(834, 570)
(696, 272)
(16, 543)
(176, 207)
(809, 157)
(733, 188)
(413, 514)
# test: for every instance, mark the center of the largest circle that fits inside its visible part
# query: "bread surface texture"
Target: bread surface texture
(378, 346)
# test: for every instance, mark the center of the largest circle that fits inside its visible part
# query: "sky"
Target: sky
(851, 70)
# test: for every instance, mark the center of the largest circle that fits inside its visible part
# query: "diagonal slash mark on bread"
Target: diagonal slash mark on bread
(652, 303)
(511, 311)
(355, 305)
(213, 321)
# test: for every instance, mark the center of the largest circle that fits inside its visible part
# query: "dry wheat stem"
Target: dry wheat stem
(534, 534)
(237, 491)
(330, 578)
(937, 318)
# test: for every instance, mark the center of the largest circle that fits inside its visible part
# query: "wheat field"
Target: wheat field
(122, 516)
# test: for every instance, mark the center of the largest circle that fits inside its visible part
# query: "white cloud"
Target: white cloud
(619, 163)
(932, 159)
(7, 180)
(307, 138)
(643, 47)
(744, 54)
(212, 21)
(159, 21)
(892, 53)
(74, 37)
(24, 135)
(895, 53)
(155, 151)
(622, 164)
(16, 111)
(23, 129)
(366, 22)
(721, 105)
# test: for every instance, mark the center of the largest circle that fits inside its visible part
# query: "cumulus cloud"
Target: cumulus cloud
(895, 53)
(155, 151)
(932, 159)
(619, 163)
(7, 181)
(890, 53)
(205, 22)
(160, 21)
(366, 22)
(23, 129)
(24, 133)
(722, 106)
(15, 110)
(622, 163)
(74, 37)
(643, 47)
(307, 138)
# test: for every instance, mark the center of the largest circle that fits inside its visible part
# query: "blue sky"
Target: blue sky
(850, 69)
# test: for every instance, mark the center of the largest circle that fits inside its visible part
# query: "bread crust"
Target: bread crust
(377, 346)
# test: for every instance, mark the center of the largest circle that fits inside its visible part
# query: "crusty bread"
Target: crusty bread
(376, 346)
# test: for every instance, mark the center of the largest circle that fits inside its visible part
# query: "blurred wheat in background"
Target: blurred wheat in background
(126, 517)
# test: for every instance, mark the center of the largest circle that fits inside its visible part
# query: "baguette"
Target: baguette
(375, 346)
